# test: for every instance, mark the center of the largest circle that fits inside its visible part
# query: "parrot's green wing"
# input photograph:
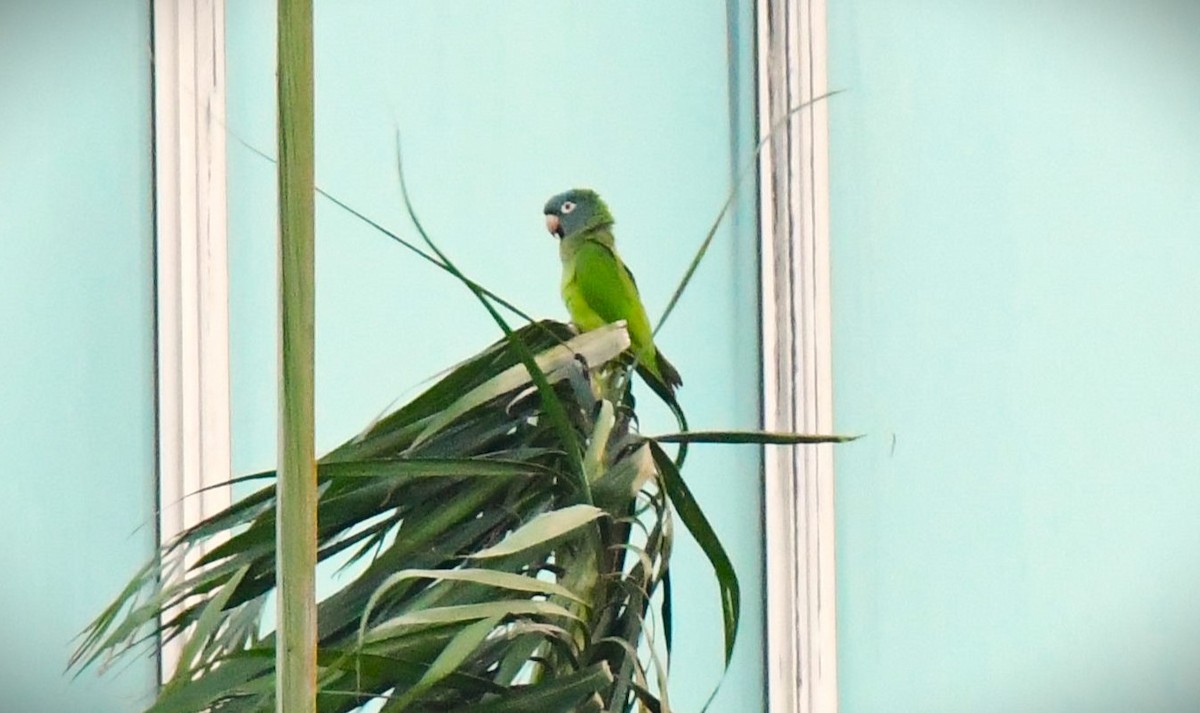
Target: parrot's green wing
(602, 290)
(606, 288)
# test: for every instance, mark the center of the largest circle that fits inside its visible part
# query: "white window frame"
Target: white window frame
(192, 270)
(797, 347)
(193, 317)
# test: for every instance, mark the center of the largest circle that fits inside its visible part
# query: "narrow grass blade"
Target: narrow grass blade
(487, 577)
(693, 518)
(541, 529)
(596, 347)
(564, 694)
(456, 652)
(750, 437)
(221, 682)
(431, 468)
(209, 621)
(398, 626)
(550, 402)
(379, 227)
(779, 124)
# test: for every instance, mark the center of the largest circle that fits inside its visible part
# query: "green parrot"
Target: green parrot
(596, 286)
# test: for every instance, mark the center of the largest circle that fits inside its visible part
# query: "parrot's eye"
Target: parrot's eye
(566, 207)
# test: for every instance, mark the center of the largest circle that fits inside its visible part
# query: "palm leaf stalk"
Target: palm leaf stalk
(296, 525)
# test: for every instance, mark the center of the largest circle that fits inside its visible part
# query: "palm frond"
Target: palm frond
(482, 581)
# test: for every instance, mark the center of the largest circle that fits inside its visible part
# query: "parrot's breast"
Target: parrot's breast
(582, 314)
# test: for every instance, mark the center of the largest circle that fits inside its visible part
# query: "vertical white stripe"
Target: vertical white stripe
(192, 266)
(801, 660)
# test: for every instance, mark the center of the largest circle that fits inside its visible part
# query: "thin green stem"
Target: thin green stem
(296, 530)
(779, 125)
(551, 404)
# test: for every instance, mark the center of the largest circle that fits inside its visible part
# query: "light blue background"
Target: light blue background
(76, 341)
(503, 105)
(1016, 251)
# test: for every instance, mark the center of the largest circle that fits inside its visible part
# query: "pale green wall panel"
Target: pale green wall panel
(76, 345)
(1016, 251)
(503, 105)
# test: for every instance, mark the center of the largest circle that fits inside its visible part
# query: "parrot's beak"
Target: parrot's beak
(553, 224)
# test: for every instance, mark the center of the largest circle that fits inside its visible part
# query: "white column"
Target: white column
(797, 383)
(192, 266)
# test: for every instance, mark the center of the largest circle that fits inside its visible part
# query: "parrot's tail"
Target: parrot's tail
(669, 373)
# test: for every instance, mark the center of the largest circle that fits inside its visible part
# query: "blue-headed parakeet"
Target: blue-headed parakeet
(596, 286)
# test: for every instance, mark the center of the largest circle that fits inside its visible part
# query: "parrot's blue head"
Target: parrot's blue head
(574, 211)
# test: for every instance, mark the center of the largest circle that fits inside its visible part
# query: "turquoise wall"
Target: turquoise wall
(76, 341)
(1016, 252)
(503, 105)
